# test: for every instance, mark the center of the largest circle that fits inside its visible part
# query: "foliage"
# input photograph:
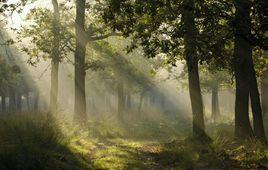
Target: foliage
(40, 33)
(9, 77)
(7, 7)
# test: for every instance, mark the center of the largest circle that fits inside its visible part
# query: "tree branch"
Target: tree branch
(101, 37)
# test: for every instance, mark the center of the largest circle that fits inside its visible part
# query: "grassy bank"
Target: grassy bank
(35, 141)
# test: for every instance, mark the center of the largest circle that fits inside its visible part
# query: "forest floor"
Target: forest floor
(177, 154)
(154, 145)
(32, 141)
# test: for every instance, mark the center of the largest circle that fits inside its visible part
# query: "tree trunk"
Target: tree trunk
(128, 102)
(54, 86)
(36, 101)
(121, 101)
(80, 73)
(55, 55)
(140, 102)
(192, 64)
(3, 103)
(19, 102)
(242, 52)
(215, 110)
(256, 103)
(12, 101)
(163, 101)
(264, 93)
(152, 98)
(28, 101)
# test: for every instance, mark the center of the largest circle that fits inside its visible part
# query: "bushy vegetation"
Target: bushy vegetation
(38, 141)
(35, 141)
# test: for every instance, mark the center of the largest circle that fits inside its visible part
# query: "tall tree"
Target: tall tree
(50, 38)
(190, 42)
(246, 83)
(146, 22)
(55, 55)
(264, 92)
(95, 31)
(80, 52)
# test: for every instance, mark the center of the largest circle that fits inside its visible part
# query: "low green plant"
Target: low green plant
(35, 141)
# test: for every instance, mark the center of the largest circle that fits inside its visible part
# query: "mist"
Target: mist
(110, 84)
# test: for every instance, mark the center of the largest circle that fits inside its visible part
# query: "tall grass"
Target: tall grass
(35, 141)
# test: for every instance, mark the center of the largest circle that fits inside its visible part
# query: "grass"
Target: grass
(35, 141)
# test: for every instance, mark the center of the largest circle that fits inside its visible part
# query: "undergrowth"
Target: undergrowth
(35, 141)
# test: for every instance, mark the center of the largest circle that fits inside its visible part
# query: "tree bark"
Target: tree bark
(28, 101)
(140, 102)
(215, 110)
(242, 53)
(12, 101)
(264, 93)
(36, 101)
(19, 102)
(256, 104)
(55, 59)
(3, 103)
(128, 101)
(80, 73)
(152, 98)
(121, 101)
(192, 64)
(54, 86)
(163, 101)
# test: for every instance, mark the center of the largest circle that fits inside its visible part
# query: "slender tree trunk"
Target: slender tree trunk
(105, 103)
(242, 52)
(121, 101)
(163, 98)
(128, 102)
(19, 102)
(54, 86)
(12, 101)
(28, 101)
(152, 98)
(36, 101)
(192, 64)
(80, 73)
(264, 93)
(55, 59)
(3, 103)
(140, 102)
(109, 102)
(215, 103)
(256, 103)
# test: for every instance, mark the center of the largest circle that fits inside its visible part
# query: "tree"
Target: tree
(50, 39)
(261, 63)
(56, 58)
(118, 69)
(246, 83)
(213, 81)
(80, 52)
(9, 82)
(192, 65)
(146, 23)
(83, 37)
